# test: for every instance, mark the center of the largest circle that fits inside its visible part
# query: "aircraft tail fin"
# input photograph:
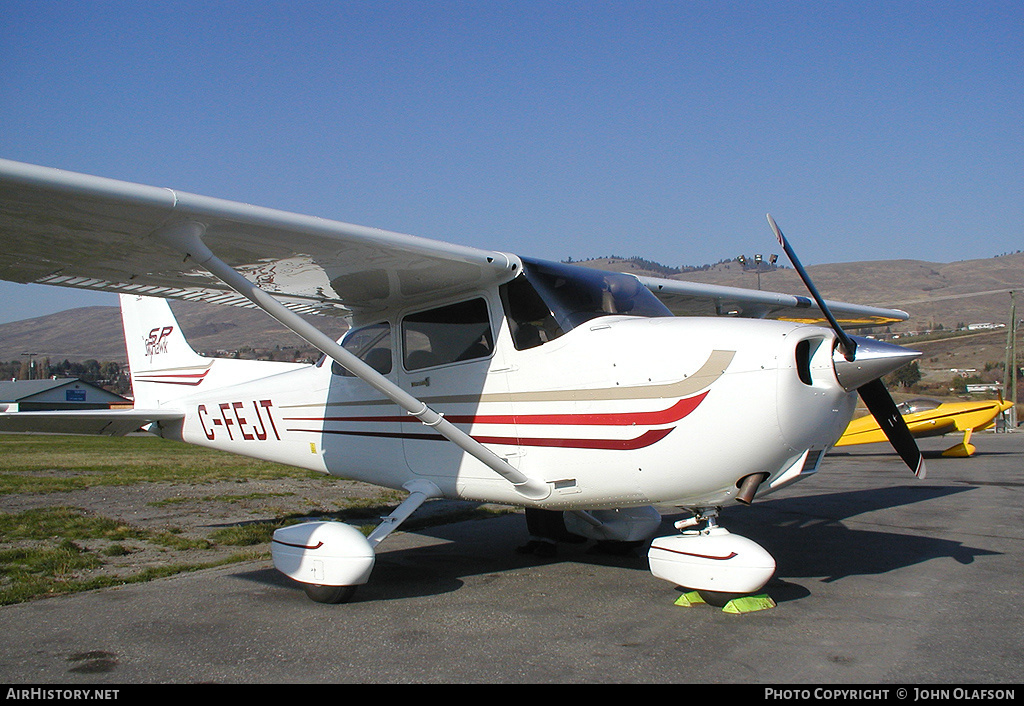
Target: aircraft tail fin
(165, 369)
(163, 365)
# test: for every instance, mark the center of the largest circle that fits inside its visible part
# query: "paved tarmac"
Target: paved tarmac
(882, 579)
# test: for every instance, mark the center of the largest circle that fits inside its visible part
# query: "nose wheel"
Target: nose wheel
(331, 595)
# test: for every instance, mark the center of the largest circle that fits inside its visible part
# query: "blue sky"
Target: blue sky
(870, 130)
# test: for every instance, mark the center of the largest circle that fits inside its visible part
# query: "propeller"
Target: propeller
(863, 372)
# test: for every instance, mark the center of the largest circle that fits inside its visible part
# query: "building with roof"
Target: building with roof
(56, 393)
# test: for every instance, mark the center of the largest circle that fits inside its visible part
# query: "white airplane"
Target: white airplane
(466, 373)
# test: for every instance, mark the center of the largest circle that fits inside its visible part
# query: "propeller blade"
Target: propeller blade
(884, 410)
(874, 394)
(847, 343)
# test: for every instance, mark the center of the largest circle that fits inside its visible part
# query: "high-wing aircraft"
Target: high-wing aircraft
(925, 417)
(466, 373)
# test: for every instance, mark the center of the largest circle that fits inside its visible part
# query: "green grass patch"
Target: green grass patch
(61, 559)
(247, 535)
(48, 556)
(33, 581)
(74, 524)
(39, 463)
(56, 550)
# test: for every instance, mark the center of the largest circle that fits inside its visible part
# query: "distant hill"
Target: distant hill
(934, 294)
(950, 294)
(946, 295)
(639, 265)
(95, 332)
(75, 334)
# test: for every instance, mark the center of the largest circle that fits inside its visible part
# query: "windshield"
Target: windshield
(552, 299)
(917, 405)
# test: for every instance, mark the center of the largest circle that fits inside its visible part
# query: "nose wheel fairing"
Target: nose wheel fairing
(711, 559)
(707, 557)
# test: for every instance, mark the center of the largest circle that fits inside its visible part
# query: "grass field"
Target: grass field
(79, 513)
(43, 463)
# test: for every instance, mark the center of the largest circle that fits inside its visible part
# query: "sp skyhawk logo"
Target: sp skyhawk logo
(156, 341)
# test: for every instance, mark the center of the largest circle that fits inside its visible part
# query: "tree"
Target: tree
(109, 371)
(907, 376)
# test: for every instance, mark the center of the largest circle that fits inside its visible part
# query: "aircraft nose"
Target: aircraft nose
(873, 360)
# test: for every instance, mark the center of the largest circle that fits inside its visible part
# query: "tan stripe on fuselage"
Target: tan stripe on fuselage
(712, 369)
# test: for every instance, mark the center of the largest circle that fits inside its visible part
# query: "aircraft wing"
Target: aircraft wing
(76, 230)
(695, 299)
(102, 422)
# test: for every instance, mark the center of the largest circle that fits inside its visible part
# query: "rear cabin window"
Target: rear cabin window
(448, 334)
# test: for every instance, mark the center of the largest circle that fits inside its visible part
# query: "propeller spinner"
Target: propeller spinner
(864, 363)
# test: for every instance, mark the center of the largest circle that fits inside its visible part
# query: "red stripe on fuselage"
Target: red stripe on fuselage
(181, 379)
(646, 439)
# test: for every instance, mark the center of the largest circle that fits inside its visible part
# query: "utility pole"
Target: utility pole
(1011, 363)
(31, 364)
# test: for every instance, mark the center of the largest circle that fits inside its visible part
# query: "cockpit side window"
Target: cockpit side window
(529, 318)
(372, 345)
(921, 404)
(550, 299)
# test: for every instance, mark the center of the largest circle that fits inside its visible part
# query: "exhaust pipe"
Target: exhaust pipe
(748, 486)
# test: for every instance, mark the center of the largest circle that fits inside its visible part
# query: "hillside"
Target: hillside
(95, 332)
(946, 295)
(969, 291)
(934, 294)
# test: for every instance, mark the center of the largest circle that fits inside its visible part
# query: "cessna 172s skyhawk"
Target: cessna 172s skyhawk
(466, 373)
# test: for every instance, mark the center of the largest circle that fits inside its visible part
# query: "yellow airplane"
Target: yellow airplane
(926, 417)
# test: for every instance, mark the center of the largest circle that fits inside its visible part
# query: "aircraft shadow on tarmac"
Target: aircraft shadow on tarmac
(808, 538)
(885, 451)
(441, 568)
(806, 535)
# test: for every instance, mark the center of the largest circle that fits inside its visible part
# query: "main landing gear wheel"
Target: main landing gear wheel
(328, 594)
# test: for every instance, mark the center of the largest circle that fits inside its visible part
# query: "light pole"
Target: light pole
(758, 265)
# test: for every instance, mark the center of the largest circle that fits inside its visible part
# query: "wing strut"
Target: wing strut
(186, 237)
